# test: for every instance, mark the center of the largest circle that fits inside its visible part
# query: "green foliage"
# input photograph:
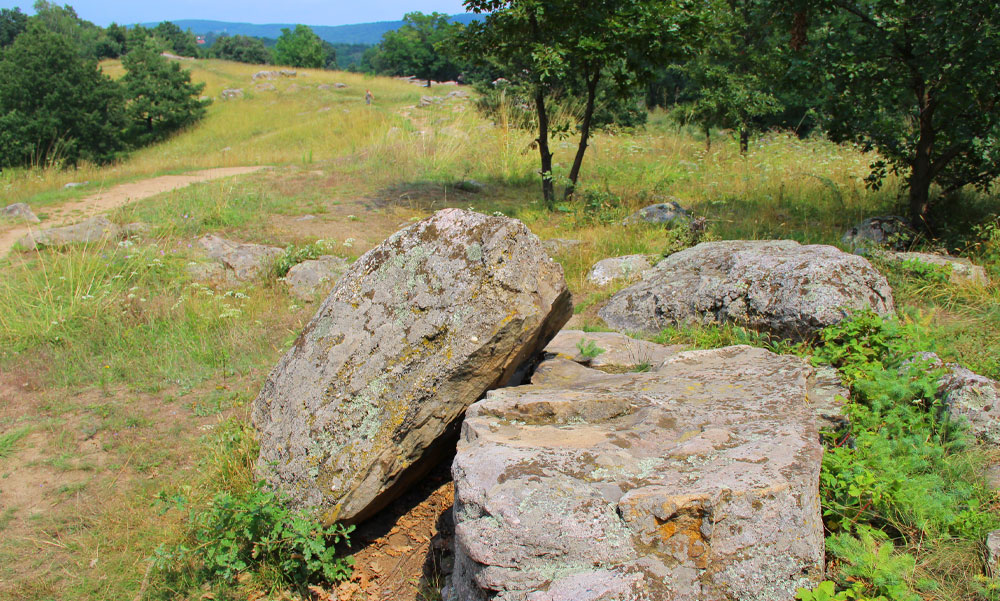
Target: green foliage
(160, 96)
(588, 348)
(80, 115)
(182, 43)
(917, 82)
(12, 23)
(899, 470)
(294, 255)
(241, 48)
(241, 533)
(423, 47)
(9, 439)
(299, 48)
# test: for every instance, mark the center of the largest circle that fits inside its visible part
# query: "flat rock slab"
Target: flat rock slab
(613, 269)
(960, 269)
(89, 231)
(246, 261)
(307, 277)
(776, 286)
(697, 481)
(419, 328)
(19, 211)
(618, 352)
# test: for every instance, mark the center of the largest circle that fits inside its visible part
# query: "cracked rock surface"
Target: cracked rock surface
(416, 331)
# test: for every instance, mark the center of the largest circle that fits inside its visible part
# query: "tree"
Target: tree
(63, 20)
(79, 115)
(12, 23)
(299, 48)
(422, 47)
(915, 80)
(160, 97)
(241, 48)
(112, 44)
(575, 47)
(180, 42)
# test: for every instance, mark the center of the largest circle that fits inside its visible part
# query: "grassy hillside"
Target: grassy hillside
(126, 384)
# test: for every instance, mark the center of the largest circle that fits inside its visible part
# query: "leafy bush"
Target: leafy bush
(240, 533)
(294, 255)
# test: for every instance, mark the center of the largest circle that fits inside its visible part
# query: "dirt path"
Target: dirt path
(117, 196)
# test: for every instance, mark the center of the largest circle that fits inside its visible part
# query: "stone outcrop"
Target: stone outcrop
(617, 352)
(960, 270)
(613, 269)
(776, 286)
(89, 231)
(19, 211)
(966, 395)
(307, 277)
(890, 231)
(231, 93)
(664, 213)
(696, 481)
(416, 331)
(245, 261)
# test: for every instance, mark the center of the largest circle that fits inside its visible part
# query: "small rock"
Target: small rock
(340, 86)
(993, 552)
(74, 185)
(307, 277)
(890, 231)
(19, 211)
(287, 73)
(470, 185)
(960, 269)
(618, 352)
(265, 75)
(776, 286)
(246, 261)
(665, 213)
(629, 267)
(89, 231)
(558, 246)
(265, 86)
(306, 218)
(975, 398)
(231, 93)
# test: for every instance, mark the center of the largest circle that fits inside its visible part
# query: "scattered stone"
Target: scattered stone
(993, 552)
(628, 268)
(306, 218)
(305, 278)
(665, 213)
(74, 185)
(265, 86)
(558, 246)
(889, 231)
(19, 211)
(618, 352)
(699, 480)
(287, 73)
(457, 94)
(136, 228)
(265, 75)
(231, 93)
(340, 85)
(974, 398)
(429, 100)
(776, 286)
(416, 330)
(470, 185)
(246, 261)
(960, 269)
(90, 231)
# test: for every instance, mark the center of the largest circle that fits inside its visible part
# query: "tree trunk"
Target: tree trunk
(548, 191)
(588, 117)
(428, 83)
(708, 138)
(921, 172)
(744, 141)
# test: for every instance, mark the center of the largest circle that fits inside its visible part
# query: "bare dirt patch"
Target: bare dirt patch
(118, 196)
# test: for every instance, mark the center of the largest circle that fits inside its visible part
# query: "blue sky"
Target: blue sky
(310, 12)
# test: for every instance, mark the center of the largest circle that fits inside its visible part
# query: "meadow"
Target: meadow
(125, 383)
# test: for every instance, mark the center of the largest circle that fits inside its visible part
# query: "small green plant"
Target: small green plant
(9, 439)
(588, 348)
(243, 533)
(294, 255)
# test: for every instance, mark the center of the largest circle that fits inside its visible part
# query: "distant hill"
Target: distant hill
(359, 33)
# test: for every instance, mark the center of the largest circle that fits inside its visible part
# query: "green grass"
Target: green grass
(9, 440)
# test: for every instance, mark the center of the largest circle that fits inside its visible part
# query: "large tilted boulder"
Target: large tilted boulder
(416, 331)
(696, 481)
(243, 260)
(88, 231)
(776, 286)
